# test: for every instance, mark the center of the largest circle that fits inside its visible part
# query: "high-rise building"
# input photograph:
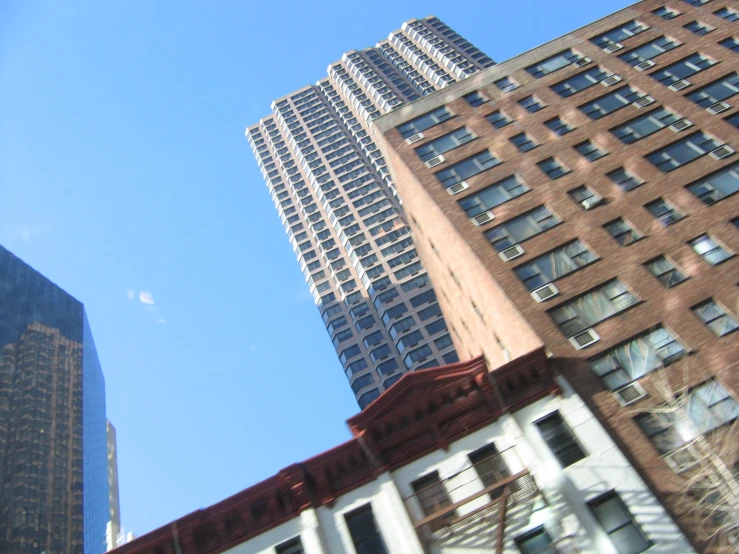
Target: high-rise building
(113, 529)
(595, 214)
(339, 208)
(53, 467)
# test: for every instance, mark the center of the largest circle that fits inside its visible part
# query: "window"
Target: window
(585, 196)
(506, 84)
(627, 181)
(342, 336)
(717, 91)
(419, 354)
(355, 367)
(664, 211)
(590, 151)
(466, 168)
(715, 318)
(580, 82)
(649, 50)
(373, 338)
(560, 439)
(610, 102)
(490, 467)
(553, 168)
(616, 520)
(558, 126)
(696, 2)
(727, 14)
(683, 152)
(531, 104)
(555, 264)
(644, 125)
(637, 357)
(708, 407)
(364, 532)
(365, 400)
(665, 271)
(498, 119)
(523, 142)
(718, 186)
(293, 546)
(622, 232)
(733, 120)
(666, 13)
(619, 34)
(684, 68)
(709, 250)
(349, 353)
(387, 368)
(536, 541)
(423, 122)
(698, 27)
(444, 144)
(379, 353)
(433, 498)
(576, 315)
(401, 326)
(553, 63)
(731, 43)
(362, 382)
(494, 195)
(411, 339)
(521, 228)
(365, 323)
(475, 98)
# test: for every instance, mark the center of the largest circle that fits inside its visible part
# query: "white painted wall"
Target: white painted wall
(562, 508)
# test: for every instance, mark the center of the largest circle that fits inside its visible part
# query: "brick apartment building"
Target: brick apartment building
(580, 197)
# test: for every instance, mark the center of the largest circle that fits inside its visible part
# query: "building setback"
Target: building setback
(53, 465)
(593, 215)
(441, 464)
(336, 200)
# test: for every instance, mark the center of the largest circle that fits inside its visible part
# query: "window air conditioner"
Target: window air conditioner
(681, 125)
(611, 48)
(512, 252)
(644, 101)
(723, 151)
(582, 61)
(592, 202)
(584, 339)
(545, 293)
(643, 66)
(718, 107)
(483, 218)
(612, 80)
(459, 187)
(682, 459)
(680, 84)
(630, 393)
(414, 138)
(436, 160)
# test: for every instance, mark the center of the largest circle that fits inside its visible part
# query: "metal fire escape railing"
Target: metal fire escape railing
(475, 504)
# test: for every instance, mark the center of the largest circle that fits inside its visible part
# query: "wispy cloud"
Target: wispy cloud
(130, 294)
(146, 298)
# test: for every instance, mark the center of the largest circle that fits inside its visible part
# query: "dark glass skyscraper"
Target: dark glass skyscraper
(53, 455)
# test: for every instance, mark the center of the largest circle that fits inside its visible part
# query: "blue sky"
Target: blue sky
(125, 178)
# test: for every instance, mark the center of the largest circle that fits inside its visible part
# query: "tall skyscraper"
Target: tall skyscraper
(114, 524)
(53, 463)
(339, 208)
(596, 215)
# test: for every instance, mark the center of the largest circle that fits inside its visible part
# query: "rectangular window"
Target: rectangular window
(560, 440)
(727, 14)
(498, 119)
(553, 168)
(364, 532)
(627, 181)
(682, 69)
(433, 498)
(709, 250)
(698, 27)
(423, 122)
(293, 546)
(494, 195)
(555, 264)
(521, 228)
(717, 91)
(644, 125)
(637, 357)
(380, 352)
(731, 43)
(362, 382)
(649, 50)
(531, 103)
(387, 368)
(553, 63)
(589, 151)
(616, 520)
(490, 467)
(622, 232)
(467, 168)
(665, 271)
(417, 355)
(585, 311)
(559, 126)
(475, 99)
(709, 406)
(585, 196)
(619, 34)
(611, 102)
(715, 318)
(683, 152)
(444, 144)
(536, 541)
(664, 211)
(718, 186)
(523, 142)
(666, 13)
(506, 84)
(580, 82)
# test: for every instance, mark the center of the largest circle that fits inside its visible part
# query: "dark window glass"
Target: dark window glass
(494, 195)
(727, 14)
(293, 546)
(718, 186)
(715, 318)
(553, 63)
(531, 104)
(682, 69)
(664, 211)
(580, 82)
(553, 168)
(475, 99)
(624, 179)
(554, 264)
(467, 168)
(558, 126)
(619, 34)
(666, 13)
(616, 520)
(682, 152)
(536, 541)
(506, 84)
(665, 271)
(709, 250)
(560, 439)
(590, 151)
(611, 102)
(622, 232)
(433, 498)
(717, 91)
(498, 119)
(490, 467)
(423, 122)
(644, 125)
(523, 142)
(649, 50)
(443, 144)
(698, 27)
(521, 228)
